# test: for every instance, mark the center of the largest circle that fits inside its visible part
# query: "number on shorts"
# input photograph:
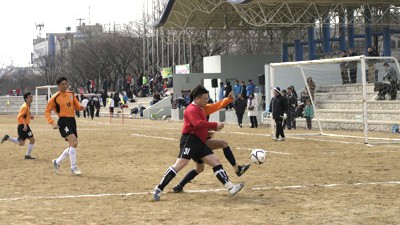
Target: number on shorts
(186, 151)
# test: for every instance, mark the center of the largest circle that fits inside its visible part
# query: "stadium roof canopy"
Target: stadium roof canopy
(238, 14)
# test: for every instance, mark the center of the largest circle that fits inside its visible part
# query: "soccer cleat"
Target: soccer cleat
(5, 138)
(236, 188)
(29, 157)
(274, 138)
(281, 139)
(76, 171)
(56, 166)
(242, 169)
(178, 188)
(157, 194)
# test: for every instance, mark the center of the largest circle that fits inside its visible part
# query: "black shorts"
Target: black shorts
(111, 109)
(191, 147)
(23, 135)
(67, 126)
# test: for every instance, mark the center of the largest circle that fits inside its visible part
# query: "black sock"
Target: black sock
(221, 174)
(168, 176)
(189, 176)
(229, 156)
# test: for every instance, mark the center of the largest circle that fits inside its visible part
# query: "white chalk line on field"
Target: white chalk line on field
(268, 151)
(24, 198)
(174, 139)
(265, 135)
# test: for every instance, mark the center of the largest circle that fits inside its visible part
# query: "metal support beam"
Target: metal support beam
(311, 43)
(285, 53)
(326, 33)
(386, 42)
(368, 30)
(350, 28)
(298, 50)
(342, 32)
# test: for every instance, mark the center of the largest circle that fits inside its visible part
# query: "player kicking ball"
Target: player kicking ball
(193, 145)
(24, 131)
(64, 103)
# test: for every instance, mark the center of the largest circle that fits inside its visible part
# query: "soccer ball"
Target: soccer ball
(258, 156)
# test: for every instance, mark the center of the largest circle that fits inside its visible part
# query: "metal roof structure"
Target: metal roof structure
(270, 13)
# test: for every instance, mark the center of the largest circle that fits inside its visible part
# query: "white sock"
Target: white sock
(63, 156)
(30, 148)
(14, 140)
(72, 157)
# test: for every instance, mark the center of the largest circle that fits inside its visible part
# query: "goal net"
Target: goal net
(345, 94)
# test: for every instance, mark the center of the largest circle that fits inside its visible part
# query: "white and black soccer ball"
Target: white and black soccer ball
(258, 156)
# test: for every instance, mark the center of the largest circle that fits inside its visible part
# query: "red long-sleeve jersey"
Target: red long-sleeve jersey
(195, 122)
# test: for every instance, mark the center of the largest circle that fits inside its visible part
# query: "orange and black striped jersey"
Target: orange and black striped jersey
(63, 104)
(24, 114)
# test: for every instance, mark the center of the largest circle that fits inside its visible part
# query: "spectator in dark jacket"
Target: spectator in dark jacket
(278, 108)
(371, 64)
(243, 90)
(228, 89)
(240, 107)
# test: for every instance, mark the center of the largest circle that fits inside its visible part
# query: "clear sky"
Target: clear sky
(18, 19)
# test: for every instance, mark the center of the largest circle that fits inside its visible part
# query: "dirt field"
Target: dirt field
(306, 180)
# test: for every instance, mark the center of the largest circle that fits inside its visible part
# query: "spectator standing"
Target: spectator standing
(311, 86)
(240, 108)
(117, 99)
(343, 69)
(105, 85)
(228, 89)
(85, 103)
(111, 105)
(371, 64)
(278, 108)
(252, 110)
(88, 83)
(128, 82)
(236, 89)
(243, 89)
(352, 65)
(97, 106)
(104, 97)
(391, 76)
(292, 104)
(308, 113)
(93, 85)
(91, 107)
(221, 91)
(250, 88)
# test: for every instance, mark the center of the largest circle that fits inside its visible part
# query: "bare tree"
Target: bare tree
(5, 70)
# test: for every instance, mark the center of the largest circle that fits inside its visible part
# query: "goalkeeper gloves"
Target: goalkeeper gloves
(284, 117)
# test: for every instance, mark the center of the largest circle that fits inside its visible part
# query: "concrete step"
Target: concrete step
(357, 104)
(344, 96)
(374, 115)
(340, 124)
(344, 88)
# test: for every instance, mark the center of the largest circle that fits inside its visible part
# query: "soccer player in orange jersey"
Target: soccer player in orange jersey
(24, 131)
(64, 103)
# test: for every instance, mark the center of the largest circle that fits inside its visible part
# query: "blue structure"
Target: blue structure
(343, 44)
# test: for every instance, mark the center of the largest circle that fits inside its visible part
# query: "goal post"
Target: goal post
(46, 87)
(346, 95)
